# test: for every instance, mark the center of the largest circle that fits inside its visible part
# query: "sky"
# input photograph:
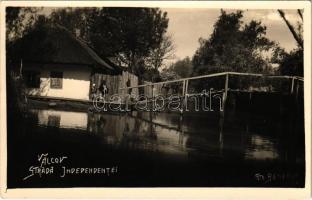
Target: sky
(186, 26)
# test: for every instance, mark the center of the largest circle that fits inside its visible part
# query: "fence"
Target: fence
(113, 83)
(225, 81)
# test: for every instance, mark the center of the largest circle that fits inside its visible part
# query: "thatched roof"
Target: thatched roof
(55, 44)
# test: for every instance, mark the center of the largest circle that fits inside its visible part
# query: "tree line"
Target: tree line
(239, 47)
(137, 39)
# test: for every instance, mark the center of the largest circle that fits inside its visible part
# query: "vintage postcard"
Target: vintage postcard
(161, 100)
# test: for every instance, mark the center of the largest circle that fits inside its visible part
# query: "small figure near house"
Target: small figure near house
(103, 89)
(93, 91)
(128, 83)
(165, 90)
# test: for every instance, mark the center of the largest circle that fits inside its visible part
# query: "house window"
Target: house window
(32, 79)
(56, 80)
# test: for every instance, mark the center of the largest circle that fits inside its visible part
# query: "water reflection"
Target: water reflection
(194, 136)
(62, 119)
(262, 148)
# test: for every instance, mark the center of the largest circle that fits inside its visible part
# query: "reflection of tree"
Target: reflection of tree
(54, 120)
(126, 130)
(221, 125)
(137, 125)
(101, 123)
(96, 123)
(91, 123)
(139, 134)
(152, 132)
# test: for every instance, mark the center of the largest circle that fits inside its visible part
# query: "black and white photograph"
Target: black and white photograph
(155, 97)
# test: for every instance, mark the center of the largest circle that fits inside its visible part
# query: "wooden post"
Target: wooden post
(292, 85)
(221, 120)
(183, 96)
(297, 90)
(226, 84)
(221, 141)
(152, 109)
(21, 69)
(183, 88)
(226, 87)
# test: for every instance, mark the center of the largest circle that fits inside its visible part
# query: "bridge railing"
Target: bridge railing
(224, 81)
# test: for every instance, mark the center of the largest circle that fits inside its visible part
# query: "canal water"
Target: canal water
(145, 149)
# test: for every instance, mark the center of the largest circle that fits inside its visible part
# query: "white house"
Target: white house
(60, 65)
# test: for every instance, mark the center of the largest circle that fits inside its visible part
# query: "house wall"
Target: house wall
(76, 81)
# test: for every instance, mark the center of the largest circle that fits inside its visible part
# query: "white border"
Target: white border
(165, 193)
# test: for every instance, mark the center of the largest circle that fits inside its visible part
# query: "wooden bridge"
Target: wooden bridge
(225, 82)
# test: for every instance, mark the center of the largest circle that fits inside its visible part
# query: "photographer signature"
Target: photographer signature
(271, 177)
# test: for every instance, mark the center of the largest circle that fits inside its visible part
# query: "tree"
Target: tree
(18, 21)
(34, 44)
(297, 36)
(165, 51)
(76, 20)
(130, 36)
(181, 68)
(233, 47)
(291, 63)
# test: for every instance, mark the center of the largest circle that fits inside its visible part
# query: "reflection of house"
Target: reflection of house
(134, 132)
(54, 118)
(55, 63)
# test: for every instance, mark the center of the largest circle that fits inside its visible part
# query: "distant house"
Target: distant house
(57, 64)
